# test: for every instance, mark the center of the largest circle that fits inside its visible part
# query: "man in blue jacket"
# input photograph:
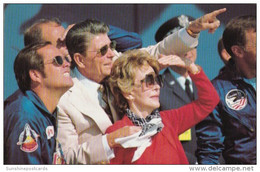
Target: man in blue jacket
(230, 129)
(30, 116)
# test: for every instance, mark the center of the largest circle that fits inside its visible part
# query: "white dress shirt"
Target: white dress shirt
(181, 80)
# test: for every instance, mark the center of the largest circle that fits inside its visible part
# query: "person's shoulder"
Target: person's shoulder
(223, 76)
(20, 108)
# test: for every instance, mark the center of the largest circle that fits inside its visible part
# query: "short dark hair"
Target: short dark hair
(80, 35)
(28, 59)
(220, 46)
(234, 33)
(33, 34)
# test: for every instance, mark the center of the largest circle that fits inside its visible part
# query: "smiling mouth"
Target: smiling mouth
(67, 74)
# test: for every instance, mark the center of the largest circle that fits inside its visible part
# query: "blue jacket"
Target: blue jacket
(29, 130)
(231, 128)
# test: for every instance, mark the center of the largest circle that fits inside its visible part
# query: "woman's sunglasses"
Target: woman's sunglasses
(58, 60)
(104, 49)
(150, 80)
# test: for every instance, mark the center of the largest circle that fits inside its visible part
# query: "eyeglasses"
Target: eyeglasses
(150, 80)
(104, 49)
(58, 60)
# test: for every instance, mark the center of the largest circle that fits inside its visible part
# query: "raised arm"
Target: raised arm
(186, 39)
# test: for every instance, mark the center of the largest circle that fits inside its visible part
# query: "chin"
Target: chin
(155, 105)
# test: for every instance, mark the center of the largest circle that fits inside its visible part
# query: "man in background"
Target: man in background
(178, 89)
(230, 129)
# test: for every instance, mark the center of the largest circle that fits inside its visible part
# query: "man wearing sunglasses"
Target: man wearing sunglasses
(30, 120)
(51, 30)
(86, 113)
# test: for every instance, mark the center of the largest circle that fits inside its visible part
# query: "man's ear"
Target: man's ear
(35, 75)
(79, 60)
(238, 51)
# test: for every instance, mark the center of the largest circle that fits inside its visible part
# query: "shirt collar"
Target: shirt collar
(85, 81)
(32, 96)
(181, 79)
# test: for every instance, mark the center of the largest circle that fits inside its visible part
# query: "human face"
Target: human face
(57, 76)
(98, 66)
(143, 98)
(250, 48)
(54, 33)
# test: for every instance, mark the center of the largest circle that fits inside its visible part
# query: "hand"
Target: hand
(174, 60)
(122, 132)
(208, 21)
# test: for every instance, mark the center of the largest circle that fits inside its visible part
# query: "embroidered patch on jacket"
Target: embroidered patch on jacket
(28, 139)
(50, 132)
(236, 99)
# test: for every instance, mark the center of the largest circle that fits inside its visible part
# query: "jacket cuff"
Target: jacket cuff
(187, 39)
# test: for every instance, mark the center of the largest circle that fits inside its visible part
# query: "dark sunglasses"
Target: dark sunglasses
(150, 80)
(104, 49)
(58, 60)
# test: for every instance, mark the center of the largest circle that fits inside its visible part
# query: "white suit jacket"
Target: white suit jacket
(82, 121)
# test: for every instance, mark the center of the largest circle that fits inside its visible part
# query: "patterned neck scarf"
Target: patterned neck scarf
(144, 122)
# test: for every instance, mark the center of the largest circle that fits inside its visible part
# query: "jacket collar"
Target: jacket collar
(171, 82)
(32, 96)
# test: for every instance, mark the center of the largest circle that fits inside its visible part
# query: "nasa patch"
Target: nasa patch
(236, 99)
(28, 139)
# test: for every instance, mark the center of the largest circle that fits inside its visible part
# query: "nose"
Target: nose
(157, 86)
(66, 63)
(110, 53)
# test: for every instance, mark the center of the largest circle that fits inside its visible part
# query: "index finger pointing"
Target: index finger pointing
(217, 12)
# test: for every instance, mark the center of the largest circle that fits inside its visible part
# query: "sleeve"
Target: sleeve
(177, 43)
(23, 144)
(125, 40)
(192, 113)
(209, 139)
(90, 152)
(122, 155)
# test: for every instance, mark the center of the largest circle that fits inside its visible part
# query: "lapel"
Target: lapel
(82, 100)
(174, 86)
(195, 91)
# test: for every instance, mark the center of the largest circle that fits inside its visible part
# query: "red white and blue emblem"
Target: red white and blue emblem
(236, 99)
(28, 139)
